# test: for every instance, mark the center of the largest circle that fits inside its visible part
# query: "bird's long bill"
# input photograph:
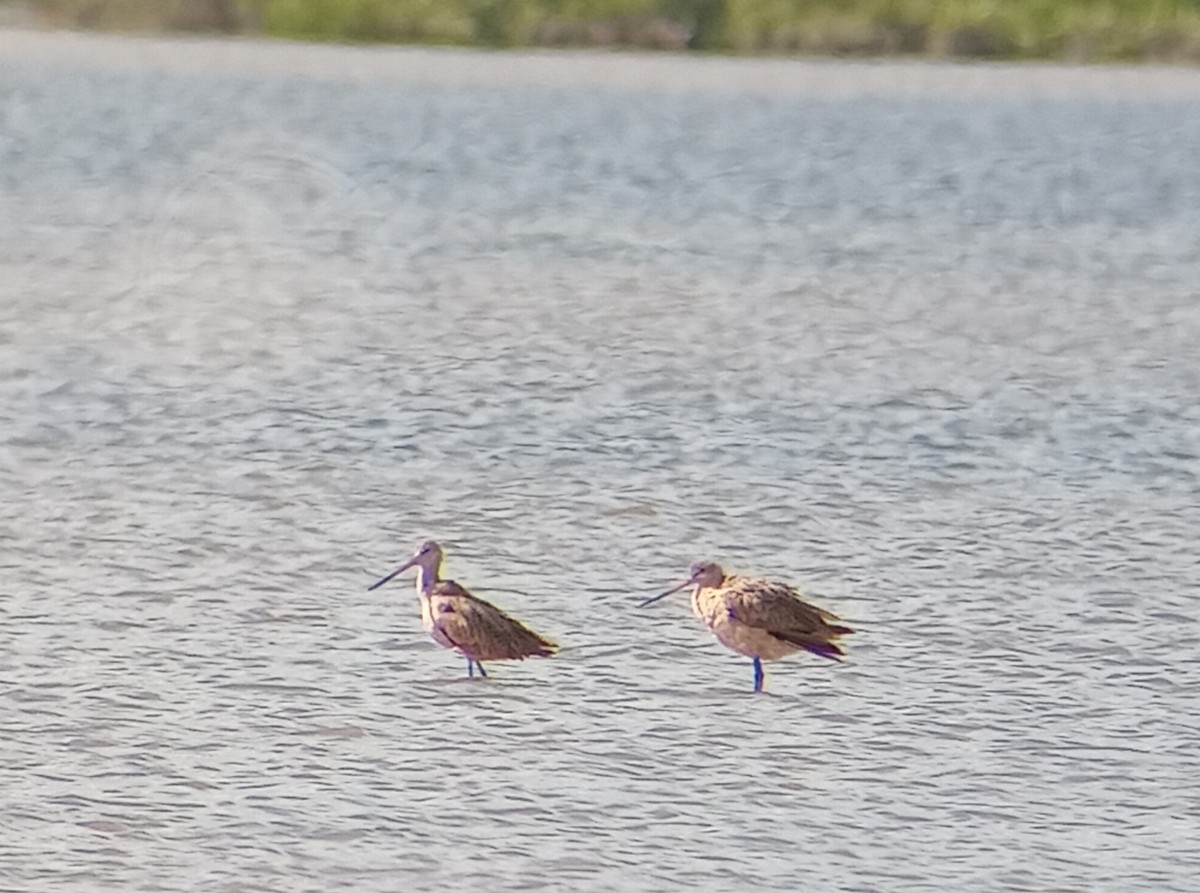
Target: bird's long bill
(653, 599)
(401, 569)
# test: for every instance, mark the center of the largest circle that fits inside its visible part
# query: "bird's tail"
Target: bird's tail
(824, 649)
(545, 648)
(818, 643)
(836, 630)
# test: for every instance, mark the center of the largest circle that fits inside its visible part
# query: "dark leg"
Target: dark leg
(470, 668)
(758, 675)
(482, 671)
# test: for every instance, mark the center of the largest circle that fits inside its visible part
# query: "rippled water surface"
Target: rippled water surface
(924, 339)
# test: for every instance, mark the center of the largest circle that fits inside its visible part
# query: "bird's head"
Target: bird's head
(428, 557)
(703, 575)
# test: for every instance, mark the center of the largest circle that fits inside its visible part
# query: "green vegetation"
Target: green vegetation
(1023, 29)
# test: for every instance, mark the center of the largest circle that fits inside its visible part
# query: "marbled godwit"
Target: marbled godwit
(456, 619)
(758, 618)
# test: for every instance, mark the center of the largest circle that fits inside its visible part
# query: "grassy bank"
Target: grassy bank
(1076, 30)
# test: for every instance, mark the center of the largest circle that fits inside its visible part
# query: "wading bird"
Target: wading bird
(758, 618)
(456, 619)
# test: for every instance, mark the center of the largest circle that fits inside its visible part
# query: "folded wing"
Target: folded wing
(480, 629)
(778, 609)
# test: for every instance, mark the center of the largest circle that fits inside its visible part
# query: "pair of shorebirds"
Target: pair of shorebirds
(760, 619)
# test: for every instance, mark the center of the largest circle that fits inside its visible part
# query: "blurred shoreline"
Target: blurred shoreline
(1070, 31)
(641, 72)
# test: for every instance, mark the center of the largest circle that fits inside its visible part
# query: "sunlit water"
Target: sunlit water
(925, 339)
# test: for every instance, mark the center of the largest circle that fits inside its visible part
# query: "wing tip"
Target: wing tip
(825, 649)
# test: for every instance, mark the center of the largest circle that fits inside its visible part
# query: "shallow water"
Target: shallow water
(922, 338)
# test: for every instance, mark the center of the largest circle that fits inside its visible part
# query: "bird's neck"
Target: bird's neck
(703, 594)
(427, 578)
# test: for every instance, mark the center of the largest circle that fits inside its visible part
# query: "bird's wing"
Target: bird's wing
(771, 606)
(482, 630)
(778, 609)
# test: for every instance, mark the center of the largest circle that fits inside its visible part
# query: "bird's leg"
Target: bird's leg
(758, 674)
(482, 671)
(470, 668)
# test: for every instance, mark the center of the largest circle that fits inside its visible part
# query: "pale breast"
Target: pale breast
(430, 606)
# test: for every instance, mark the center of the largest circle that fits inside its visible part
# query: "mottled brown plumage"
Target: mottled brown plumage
(761, 619)
(776, 608)
(480, 629)
(456, 619)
